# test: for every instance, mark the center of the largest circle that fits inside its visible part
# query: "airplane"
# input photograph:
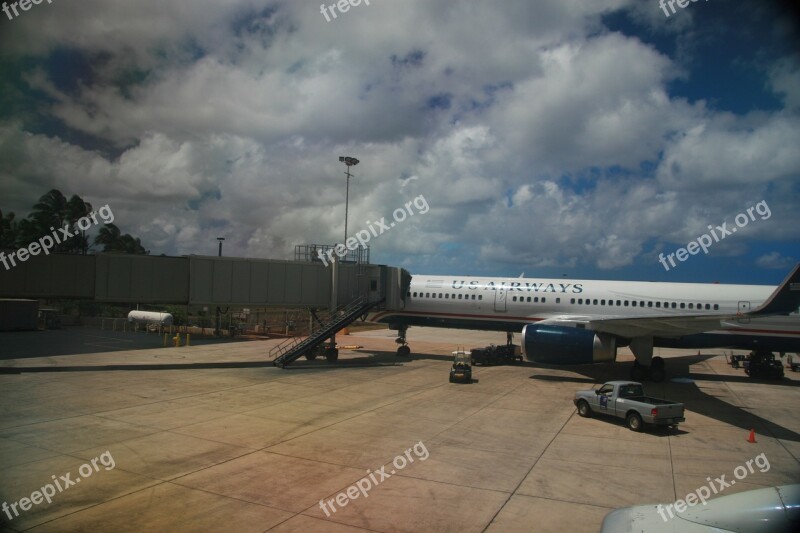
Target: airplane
(585, 321)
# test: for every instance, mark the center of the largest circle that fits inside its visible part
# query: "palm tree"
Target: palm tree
(51, 211)
(113, 241)
(109, 237)
(77, 209)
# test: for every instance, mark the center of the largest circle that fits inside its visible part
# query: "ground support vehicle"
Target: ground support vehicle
(496, 355)
(462, 367)
(763, 365)
(626, 399)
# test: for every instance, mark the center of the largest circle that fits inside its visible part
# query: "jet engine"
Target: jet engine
(561, 345)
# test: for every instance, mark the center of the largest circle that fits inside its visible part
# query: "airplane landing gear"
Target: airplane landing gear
(642, 348)
(403, 350)
(654, 372)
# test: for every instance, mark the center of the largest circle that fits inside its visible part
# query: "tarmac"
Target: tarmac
(212, 437)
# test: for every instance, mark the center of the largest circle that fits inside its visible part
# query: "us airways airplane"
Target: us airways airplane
(585, 321)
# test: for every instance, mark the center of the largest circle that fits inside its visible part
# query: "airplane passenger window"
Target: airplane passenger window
(618, 303)
(658, 304)
(708, 307)
(480, 297)
(427, 295)
(580, 300)
(572, 300)
(594, 302)
(602, 302)
(691, 306)
(716, 307)
(544, 300)
(626, 303)
(683, 305)
(558, 300)
(674, 305)
(649, 304)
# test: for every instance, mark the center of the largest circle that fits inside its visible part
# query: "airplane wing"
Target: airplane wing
(785, 299)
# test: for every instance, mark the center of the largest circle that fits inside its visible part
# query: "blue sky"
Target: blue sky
(577, 138)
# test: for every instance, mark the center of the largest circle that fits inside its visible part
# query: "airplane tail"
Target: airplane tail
(785, 299)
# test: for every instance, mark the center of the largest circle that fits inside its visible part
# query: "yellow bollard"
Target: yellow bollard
(177, 339)
(188, 339)
(165, 340)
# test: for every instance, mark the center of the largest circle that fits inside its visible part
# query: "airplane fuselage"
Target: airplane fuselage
(508, 304)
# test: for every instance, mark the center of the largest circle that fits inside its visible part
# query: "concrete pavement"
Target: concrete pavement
(256, 448)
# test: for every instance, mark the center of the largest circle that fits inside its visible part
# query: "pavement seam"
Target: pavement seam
(528, 473)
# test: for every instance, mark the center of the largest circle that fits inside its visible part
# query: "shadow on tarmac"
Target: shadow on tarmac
(690, 394)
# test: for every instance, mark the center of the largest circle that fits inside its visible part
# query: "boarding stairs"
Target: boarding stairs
(291, 349)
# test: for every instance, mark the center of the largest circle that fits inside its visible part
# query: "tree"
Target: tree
(113, 241)
(77, 209)
(8, 231)
(54, 211)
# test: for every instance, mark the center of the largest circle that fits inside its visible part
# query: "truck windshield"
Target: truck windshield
(629, 391)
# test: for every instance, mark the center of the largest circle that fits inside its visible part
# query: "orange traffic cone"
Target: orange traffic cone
(752, 438)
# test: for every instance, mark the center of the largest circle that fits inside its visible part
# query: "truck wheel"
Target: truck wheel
(583, 409)
(634, 422)
(657, 362)
(311, 355)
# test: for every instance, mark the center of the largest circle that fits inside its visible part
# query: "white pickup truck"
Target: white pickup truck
(626, 399)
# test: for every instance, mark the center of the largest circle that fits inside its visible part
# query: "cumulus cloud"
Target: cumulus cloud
(540, 137)
(775, 260)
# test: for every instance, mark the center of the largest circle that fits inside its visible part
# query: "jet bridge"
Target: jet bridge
(202, 280)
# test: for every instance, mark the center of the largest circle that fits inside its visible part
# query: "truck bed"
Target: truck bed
(649, 400)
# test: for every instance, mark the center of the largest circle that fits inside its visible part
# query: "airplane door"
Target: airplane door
(744, 307)
(500, 300)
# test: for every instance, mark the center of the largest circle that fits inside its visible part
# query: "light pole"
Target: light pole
(349, 162)
(220, 239)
